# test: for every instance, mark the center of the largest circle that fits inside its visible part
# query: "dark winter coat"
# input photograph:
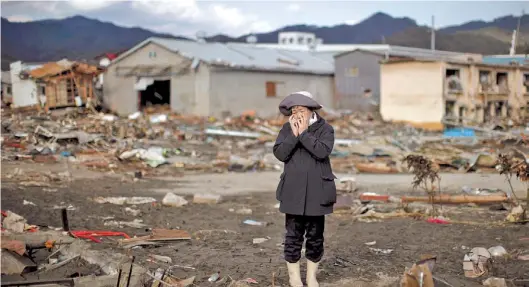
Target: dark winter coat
(306, 186)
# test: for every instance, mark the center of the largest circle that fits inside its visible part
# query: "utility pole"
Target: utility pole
(517, 33)
(432, 43)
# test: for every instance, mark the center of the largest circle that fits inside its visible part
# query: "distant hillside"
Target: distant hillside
(368, 31)
(75, 38)
(492, 37)
(79, 38)
(469, 42)
(504, 36)
(508, 23)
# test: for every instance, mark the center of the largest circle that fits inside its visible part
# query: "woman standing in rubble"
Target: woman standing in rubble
(306, 191)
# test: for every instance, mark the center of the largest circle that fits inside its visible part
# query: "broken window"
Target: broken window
(42, 90)
(309, 40)
(501, 82)
(449, 109)
(462, 113)
(284, 40)
(499, 108)
(453, 81)
(485, 81)
(291, 40)
(9, 90)
(271, 89)
(300, 40)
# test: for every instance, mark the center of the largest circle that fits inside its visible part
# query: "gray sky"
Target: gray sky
(186, 17)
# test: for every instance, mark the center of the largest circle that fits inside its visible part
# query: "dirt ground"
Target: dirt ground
(221, 242)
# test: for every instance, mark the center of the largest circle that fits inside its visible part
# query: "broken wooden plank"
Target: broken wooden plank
(455, 199)
(159, 235)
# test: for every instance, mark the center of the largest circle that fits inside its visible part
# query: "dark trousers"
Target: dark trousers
(298, 228)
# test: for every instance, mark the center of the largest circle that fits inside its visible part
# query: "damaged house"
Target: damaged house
(64, 83)
(463, 91)
(213, 78)
(357, 72)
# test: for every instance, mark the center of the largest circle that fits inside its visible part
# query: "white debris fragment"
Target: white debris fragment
(173, 200)
(381, 251)
(136, 223)
(131, 211)
(124, 200)
(25, 202)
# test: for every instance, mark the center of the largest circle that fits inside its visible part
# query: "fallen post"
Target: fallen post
(65, 225)
(455, 199)
(68, 281)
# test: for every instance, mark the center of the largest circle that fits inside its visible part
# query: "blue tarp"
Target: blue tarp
(459, 132)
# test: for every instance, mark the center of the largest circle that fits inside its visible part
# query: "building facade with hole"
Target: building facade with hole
(213, 78)
(426, 92)
(357, 72)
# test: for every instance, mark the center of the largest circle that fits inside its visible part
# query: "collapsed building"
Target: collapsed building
(54, 84)
(426, 92)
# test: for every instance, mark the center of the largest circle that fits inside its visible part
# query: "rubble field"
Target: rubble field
(163, 199)
(357, 247)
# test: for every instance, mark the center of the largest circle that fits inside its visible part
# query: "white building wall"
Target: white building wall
(24, 91)
(412, 92)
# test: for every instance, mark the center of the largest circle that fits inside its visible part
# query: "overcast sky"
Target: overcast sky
(186, 17)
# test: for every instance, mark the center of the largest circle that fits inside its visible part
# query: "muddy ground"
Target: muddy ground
(221, 242)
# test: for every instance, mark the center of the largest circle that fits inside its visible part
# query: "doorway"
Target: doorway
(159, 93)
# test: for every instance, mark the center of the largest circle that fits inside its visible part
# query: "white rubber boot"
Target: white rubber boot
(294, 275)
(312, 269)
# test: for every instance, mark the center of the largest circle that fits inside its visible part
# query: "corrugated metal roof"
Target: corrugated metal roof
(409, 52)
(245, 56)
(505, 60)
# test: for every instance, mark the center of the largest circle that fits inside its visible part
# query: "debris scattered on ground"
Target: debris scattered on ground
(13, 263)
(207, 198)
(173, 200)
(517, 214)
(254, 223)
(133, 212)
(125, 200)
(157, 236)
(136, 223)
(260, 240)
(497, 251)
(381, 251)
(214, 277)
(14, 222)
(477, 263)
(244, 211)
(495, 282)
(420, 274)
(165, 259)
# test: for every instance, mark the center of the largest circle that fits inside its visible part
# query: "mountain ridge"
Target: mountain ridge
(54, 39)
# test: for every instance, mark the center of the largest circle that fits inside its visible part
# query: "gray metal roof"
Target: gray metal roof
(244, 56)
(401, 51)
